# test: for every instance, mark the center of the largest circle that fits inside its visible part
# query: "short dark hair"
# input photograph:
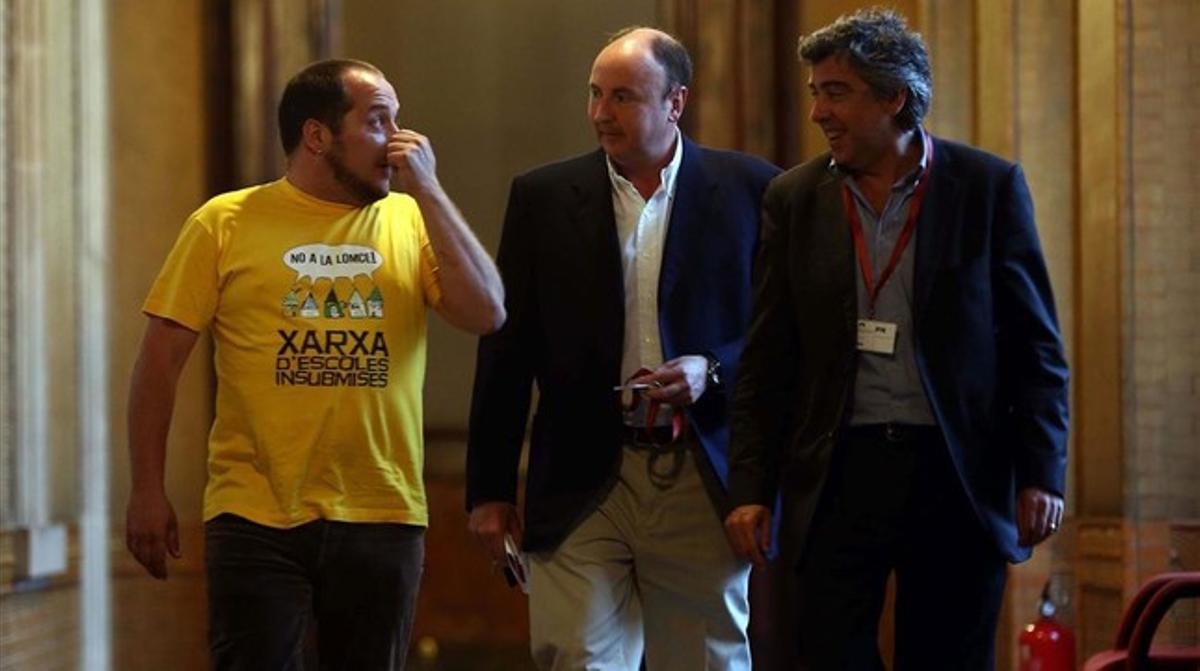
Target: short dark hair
(667, 51)
(888, 56)
(316, 92)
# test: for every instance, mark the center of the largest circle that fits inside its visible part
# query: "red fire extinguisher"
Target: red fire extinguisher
(1047, 644)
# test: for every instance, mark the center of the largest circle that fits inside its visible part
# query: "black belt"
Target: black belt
(892, 432)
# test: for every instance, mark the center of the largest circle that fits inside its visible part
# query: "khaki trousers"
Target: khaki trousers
(649, 571)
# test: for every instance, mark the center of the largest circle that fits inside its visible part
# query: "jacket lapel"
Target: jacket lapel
(939, 214)
(595, 224)
(840, 243)
(695, 203)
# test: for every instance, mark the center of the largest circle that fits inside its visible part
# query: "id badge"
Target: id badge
(876, 337)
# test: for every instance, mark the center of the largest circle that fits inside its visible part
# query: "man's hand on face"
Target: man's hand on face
(411, 155)
(678, 382)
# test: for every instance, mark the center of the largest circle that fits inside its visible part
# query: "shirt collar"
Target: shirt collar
(908, 179)
(666, 176)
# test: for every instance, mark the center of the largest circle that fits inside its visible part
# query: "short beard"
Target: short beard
(360, 189)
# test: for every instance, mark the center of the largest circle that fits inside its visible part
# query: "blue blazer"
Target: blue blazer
(560, 260)
(987, 342)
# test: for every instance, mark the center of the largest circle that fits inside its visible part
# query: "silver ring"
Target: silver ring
(1053, 528)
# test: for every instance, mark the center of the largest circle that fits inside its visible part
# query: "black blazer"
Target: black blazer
(560, 261)
(987, 342)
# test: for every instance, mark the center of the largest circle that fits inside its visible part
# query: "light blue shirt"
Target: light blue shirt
(887, 388)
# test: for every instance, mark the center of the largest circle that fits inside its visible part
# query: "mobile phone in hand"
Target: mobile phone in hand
(515, 570)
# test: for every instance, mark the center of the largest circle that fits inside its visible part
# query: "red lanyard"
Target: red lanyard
(906, 233)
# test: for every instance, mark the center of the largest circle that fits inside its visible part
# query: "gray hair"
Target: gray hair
(881, 49)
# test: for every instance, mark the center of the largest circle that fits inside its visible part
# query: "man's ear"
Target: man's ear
(897, 102)
(316, 136)
(678, 100)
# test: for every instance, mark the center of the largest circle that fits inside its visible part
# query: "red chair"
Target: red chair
(1133, 651)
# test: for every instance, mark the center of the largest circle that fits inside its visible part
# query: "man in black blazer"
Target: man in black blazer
(630, 264)
(903, 383)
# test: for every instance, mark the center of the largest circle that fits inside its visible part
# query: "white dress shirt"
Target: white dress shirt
(642, 232)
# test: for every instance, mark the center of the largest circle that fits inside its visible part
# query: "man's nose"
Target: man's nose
(817, 112)
(598, 109)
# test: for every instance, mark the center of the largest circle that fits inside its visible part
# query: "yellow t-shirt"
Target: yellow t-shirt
(317, 312)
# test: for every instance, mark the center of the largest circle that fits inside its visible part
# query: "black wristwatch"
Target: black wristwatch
(713, 376)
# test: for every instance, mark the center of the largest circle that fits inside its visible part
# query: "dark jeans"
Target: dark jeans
(893, 502)
(265, 586)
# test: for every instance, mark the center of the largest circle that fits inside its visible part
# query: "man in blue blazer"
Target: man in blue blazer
(626, 267)
(903, 383)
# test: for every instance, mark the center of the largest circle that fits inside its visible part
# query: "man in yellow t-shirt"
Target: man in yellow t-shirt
(314, 288)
